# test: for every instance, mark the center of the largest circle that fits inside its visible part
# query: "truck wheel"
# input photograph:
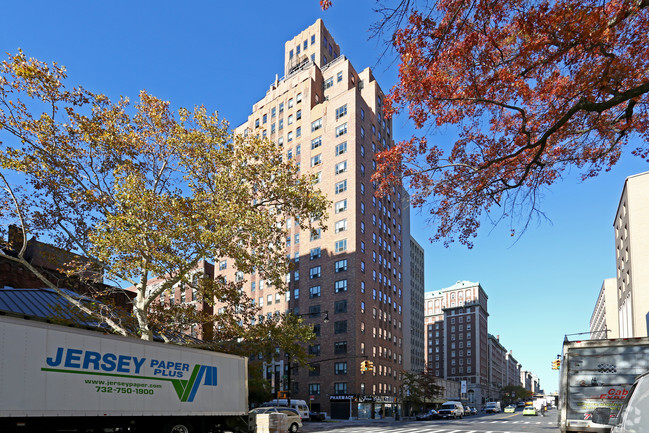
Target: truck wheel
(178, 426)
(293, 428)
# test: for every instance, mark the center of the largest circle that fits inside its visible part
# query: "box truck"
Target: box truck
(596, 376)
(54, 377)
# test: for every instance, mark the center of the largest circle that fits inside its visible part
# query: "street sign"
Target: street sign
(312, 397)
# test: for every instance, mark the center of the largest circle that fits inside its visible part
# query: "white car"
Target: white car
(634, 414)
(293, 418)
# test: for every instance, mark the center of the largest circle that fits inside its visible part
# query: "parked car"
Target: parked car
(474, 411)
(293, 418)
(299, 405)
(510, 409)
(467, 411)
(529, 410)
(634, 414)
(451, 409)
(315, 416)
(427, 416)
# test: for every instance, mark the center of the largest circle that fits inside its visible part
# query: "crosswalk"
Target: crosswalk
(465, 426)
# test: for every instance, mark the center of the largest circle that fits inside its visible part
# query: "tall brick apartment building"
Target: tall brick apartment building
(329, 119)
(457, 346)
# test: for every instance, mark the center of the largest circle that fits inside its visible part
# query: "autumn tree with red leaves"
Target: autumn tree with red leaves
(533, 89)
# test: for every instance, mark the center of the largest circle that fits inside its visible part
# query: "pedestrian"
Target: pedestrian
(543, 410)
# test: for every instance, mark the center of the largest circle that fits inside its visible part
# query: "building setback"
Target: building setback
(329, 119)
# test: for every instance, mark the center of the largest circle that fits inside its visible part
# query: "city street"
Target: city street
(498, 423)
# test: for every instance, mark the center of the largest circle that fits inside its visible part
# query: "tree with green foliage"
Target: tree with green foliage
(515, 393)
(142, 191)
(419, 389)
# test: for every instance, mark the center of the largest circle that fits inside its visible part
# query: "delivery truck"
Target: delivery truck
(596, 376)
(54, 378)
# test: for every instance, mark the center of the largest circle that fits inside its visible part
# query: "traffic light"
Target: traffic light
(364, 366)
(556, 364)
(369, 365)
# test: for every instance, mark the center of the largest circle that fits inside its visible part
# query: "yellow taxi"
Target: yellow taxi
(529, 410)
(510, 409)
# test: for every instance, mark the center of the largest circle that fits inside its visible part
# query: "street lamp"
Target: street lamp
(325, 319)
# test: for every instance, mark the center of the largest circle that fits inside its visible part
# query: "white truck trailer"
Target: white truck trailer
(54, 378)
(596, 376)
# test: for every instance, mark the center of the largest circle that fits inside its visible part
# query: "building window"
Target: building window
(340, 327)
(340, 246)
(341, 148)
(339, 76)
(340, 347)
(314, 388)
(328, 82)
(340, 388)
(314, 311)
(316, 234)
(315, 253)
(314, 292)
(341, 206)
(341, 186)
(340, 226)
(316, 124)
(316, 160)
(340, 306)
(340, 368)
(341, 167)
(316, 142)
(341, 111)
(315, 272)
(315, 370)
(340, 286)
(341, 130)
(341, 265)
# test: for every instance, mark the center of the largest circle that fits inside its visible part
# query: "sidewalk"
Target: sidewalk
(342, 423)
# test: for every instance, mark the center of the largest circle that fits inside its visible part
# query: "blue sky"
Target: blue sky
(224, 55)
